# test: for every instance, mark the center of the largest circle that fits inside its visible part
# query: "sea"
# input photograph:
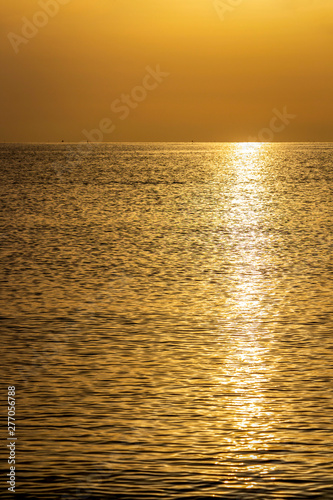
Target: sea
(166, 320)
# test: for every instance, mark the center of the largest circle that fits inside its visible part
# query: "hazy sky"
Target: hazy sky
(226, 70)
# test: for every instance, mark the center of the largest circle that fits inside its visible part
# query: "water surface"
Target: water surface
(167, 319)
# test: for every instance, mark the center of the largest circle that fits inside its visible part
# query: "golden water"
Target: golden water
(167, 320)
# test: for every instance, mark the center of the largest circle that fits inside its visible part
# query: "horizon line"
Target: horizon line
(167, 142)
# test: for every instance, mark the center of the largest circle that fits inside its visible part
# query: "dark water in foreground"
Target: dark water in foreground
(167, 320)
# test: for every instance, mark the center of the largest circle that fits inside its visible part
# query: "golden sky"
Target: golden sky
(167, 70)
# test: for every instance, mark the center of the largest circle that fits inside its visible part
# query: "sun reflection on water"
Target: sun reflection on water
(246, 372)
